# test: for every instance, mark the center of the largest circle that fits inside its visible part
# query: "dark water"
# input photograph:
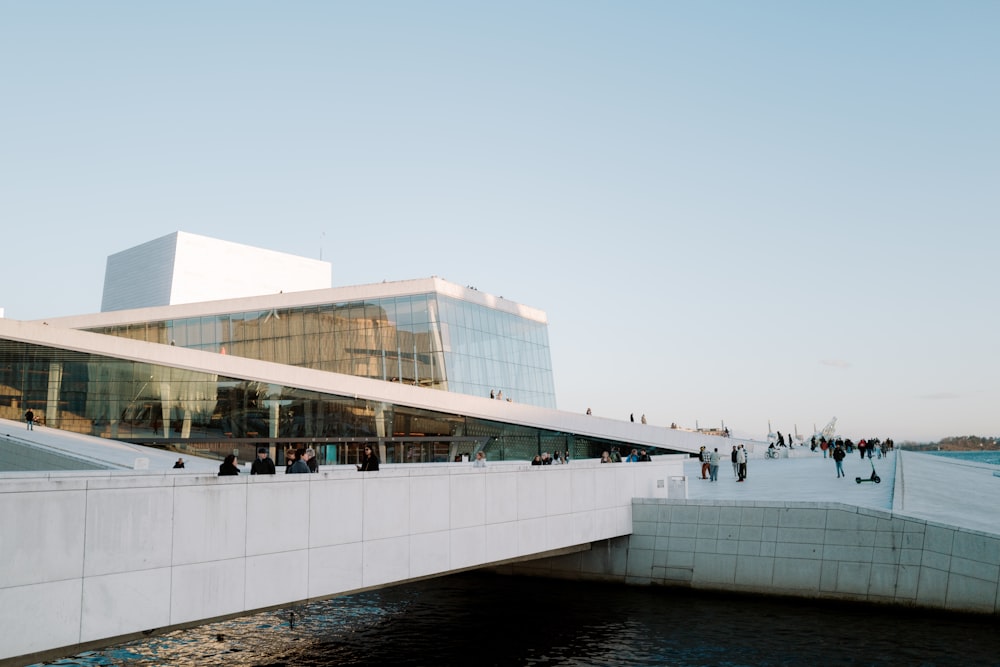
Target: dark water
(485, 619)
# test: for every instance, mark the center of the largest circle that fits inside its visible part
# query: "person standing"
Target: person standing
(179, 463)
(29, 420)
(480, 460)
(229, 467)
(741, 460)
(369, 462)
(838, 457)
(311, 460)
(262, 465)
(704, 456)
(736, 465)
(643, 419)
(713, 465)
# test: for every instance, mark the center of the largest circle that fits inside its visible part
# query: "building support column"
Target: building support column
(54, 390)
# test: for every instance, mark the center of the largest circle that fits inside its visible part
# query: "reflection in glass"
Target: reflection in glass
(428, 340)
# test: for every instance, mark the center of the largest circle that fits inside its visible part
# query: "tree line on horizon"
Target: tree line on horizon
(957, 443)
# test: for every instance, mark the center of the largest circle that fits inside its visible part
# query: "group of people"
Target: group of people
(615, 456)
(544, 459)
(498, 395)
(301, 460)
(710, 463)
(872, 447)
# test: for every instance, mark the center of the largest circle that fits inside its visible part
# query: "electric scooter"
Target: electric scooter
(874, 478)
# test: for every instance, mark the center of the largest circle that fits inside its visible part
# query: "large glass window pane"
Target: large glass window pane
(404, 313)
(419, 309)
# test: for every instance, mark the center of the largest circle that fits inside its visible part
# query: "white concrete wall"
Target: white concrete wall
(89, 556)
(812, 550)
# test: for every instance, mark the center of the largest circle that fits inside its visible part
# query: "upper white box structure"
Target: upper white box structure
(187, 268)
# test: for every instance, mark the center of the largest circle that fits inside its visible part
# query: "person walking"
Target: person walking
(838, 457)
(262, 465)
(300, 465)
(290, 457)
(714, 465)
(229, 467)
(369, 462)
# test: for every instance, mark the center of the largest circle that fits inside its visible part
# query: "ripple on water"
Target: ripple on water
(488, 619)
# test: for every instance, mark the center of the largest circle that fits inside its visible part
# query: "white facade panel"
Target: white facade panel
(140, 276)
(208, 269)
(187, 268)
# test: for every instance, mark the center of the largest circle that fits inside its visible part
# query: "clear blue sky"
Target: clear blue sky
(733, 212)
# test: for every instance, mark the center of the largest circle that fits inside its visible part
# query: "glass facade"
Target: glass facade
(206, 413)
(430, 340)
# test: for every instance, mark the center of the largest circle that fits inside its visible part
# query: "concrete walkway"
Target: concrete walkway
(949, 491)
(804, 476)
(108, 454)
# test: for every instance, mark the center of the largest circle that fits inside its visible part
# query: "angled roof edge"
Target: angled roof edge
(309, 379)
(299, 299)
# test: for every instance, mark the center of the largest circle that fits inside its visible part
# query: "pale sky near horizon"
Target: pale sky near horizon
(732, 212)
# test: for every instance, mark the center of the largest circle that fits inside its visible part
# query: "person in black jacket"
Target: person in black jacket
(369, 462)
(838, 456)
(262, 465)
(229, 466)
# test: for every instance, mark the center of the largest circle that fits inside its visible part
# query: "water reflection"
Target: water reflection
(496, 620)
